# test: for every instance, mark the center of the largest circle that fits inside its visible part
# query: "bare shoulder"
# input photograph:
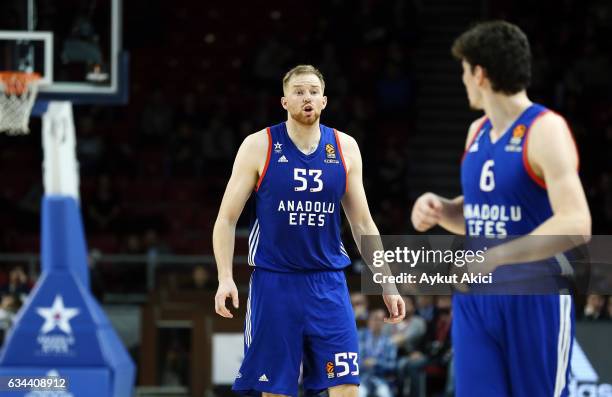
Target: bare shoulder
(348, 143)
(474, 127)
(551, 142)
(550, 124)
(350, 151)
(253, 152)
(257, 141)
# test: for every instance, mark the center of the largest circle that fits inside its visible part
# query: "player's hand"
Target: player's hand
(227, 289)
(397, 309)
(426, 212)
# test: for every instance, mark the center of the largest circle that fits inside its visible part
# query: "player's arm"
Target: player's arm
(553, 157)
(430, 209)
(245, 174)
(357, 212)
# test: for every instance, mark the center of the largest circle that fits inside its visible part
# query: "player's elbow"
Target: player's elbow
(225, 220)
(586, 227)
(581, 225)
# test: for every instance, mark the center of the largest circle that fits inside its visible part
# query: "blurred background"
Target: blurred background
(203, 75)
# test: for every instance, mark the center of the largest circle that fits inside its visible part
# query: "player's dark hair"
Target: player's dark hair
(502, 50)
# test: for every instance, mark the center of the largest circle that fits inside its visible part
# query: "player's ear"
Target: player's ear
(284, 102)
(324, 102)
(480, 74)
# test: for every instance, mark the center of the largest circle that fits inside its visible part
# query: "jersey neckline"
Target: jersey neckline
(510, 128)
(297, 150)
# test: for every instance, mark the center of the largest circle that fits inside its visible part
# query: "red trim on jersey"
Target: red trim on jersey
(474, 138)
(341, 157)
(537, 179)
(263, 173)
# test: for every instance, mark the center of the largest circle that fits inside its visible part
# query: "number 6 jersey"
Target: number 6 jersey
(297, 206)
(503, 197)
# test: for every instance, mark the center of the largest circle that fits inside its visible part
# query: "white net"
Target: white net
(17, 95)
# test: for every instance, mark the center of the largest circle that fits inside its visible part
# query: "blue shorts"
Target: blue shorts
(296, 319)
(512, 345)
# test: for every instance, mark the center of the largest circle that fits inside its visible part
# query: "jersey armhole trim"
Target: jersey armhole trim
(465, 152)
(342, 158)
(537, 179)
(265, 169)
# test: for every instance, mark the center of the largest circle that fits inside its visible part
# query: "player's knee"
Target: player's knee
(272, 395)
(344, 391)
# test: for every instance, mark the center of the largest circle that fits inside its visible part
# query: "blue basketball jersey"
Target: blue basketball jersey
(297, 206)
(502, 195)
(523, 340)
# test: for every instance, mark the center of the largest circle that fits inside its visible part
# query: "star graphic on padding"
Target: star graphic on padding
(57, 316)
(278, 146)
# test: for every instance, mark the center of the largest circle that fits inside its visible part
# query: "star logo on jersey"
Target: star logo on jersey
(278, 147)
(57, 316)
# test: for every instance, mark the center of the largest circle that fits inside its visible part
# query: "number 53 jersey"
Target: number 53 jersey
(297, 206)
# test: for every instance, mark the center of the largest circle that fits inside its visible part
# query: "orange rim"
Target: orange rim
(17, 83)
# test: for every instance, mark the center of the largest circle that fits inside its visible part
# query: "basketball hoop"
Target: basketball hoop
(17, 95)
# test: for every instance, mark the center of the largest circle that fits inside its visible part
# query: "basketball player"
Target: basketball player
(520, 163)
(298, 310)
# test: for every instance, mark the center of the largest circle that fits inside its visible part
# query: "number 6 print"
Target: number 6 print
(487, 179)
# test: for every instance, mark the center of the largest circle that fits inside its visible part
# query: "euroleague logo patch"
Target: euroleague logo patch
(329, 368)
(519, 131)
(330, 150)
(330, 154)
(515, 141)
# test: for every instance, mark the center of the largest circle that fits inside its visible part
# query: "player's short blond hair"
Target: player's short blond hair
(303, 69)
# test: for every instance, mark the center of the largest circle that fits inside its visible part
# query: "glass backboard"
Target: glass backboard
(75, 45)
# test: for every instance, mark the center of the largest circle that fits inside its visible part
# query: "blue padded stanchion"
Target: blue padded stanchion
(61, 329)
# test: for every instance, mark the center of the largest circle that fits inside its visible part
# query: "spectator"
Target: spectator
(435, 354)
(360, 306)
(200, 280)
(132, 276)
(104, 209)
(90, 146)
(183, 152)
(9, 305)
(95, 277)
(394, 91)
(218, 146)
(18, 283)
(609, 308)
(378, 357)
(157, 118)
(425, 307)
(154, 246)
(594, 308)
(408, 334)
